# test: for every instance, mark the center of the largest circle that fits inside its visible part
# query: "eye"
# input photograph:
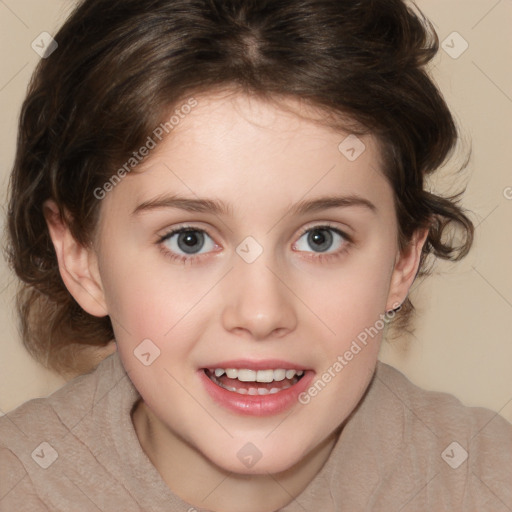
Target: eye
(322, 239)
(187, 242)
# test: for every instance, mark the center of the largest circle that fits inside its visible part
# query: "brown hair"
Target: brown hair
(122, 65)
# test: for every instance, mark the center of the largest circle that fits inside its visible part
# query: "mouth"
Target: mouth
(251, 388)
(245, 381)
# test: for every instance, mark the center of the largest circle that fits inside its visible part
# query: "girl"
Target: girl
(227, 198)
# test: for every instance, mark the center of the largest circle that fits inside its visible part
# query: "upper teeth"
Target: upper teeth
(245, 375)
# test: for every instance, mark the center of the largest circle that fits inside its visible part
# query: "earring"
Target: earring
(398, 308)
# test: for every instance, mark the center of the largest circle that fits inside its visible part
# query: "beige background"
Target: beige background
(463, 341)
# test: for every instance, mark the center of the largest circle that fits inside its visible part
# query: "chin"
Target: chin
(248, 459)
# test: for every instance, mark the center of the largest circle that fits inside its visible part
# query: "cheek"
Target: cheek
(352, 297)
(149, 296)
(157, 308)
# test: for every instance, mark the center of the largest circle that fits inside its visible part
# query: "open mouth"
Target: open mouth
(254, 382)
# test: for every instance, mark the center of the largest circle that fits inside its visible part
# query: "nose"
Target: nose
(257, 300)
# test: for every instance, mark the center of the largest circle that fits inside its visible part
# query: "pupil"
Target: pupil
(190, 241)
(322, 238)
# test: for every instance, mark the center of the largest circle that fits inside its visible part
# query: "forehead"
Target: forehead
(241, 148)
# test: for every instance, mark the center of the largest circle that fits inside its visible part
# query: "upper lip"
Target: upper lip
(264, 364)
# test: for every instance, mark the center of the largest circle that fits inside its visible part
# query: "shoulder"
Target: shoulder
(44, 432)
(21, 436)
(464, 453)
(21, 428)
(43, 416)
(15, 484)
(443, 411)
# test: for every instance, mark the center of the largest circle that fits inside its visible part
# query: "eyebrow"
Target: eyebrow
(203, 205)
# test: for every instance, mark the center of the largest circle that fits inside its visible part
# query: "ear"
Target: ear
(78, 265)
(405, 269)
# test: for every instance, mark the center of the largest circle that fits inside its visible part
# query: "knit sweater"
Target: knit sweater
(402, 449)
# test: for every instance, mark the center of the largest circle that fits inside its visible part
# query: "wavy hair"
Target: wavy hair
(121, 65)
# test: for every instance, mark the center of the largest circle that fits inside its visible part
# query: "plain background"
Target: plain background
(463, 342)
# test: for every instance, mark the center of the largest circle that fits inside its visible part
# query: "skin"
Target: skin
(288, 304)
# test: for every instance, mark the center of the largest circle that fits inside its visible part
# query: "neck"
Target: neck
(201, 483)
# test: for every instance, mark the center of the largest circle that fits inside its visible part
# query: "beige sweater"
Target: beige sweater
(404, 449)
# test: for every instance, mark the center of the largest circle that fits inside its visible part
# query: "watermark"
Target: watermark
(249, 249)
(454, 45)
(507, 193)
(44, 45)
(146, 352)
(45, 455)
(152, 141)
(454, 455)
(344, 359)
(249, 455)
(352, 147)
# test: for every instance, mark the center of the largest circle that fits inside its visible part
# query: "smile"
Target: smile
(255, 388)
(254, 382)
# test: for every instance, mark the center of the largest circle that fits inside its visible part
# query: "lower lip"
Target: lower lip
(257, 405)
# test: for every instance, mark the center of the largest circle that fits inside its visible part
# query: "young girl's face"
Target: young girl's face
(289, 263)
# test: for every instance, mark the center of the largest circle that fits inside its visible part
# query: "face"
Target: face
(291, 270)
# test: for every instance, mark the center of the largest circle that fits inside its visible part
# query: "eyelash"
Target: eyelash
(319, 257)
